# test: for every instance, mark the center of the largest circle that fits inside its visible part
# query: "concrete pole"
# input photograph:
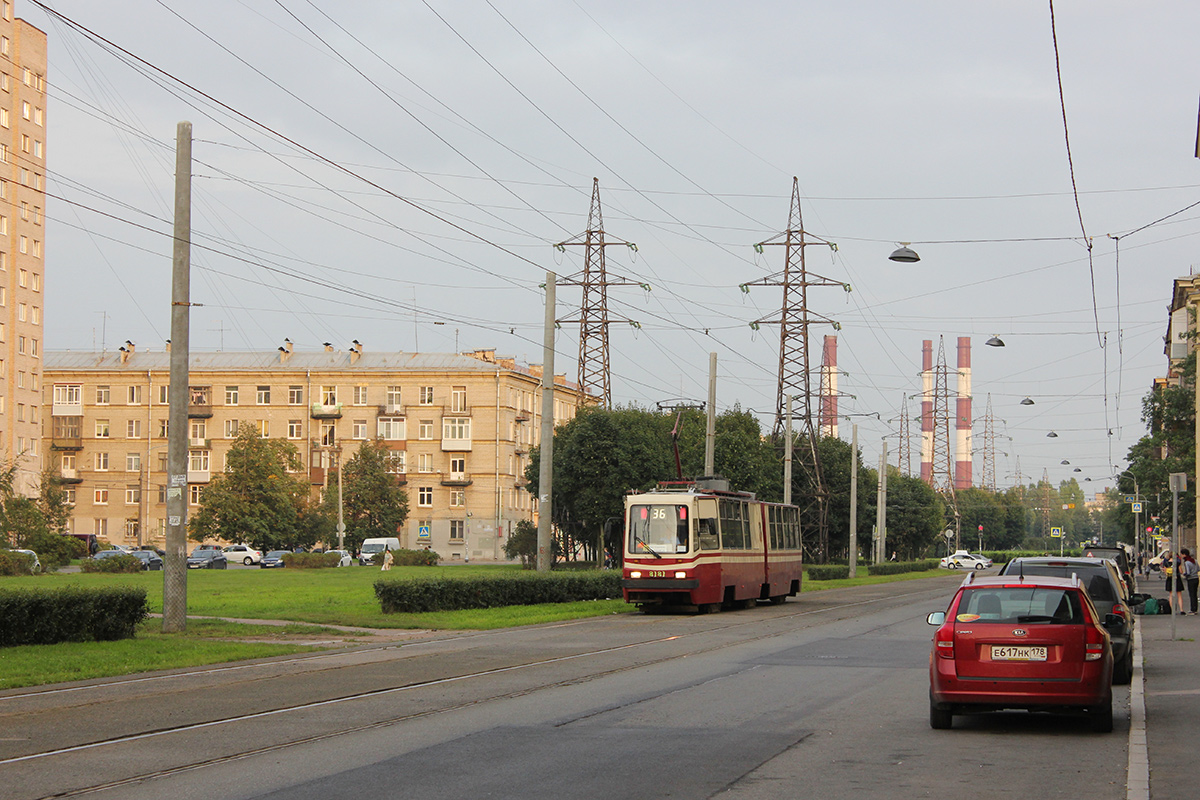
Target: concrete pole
(852, 555)
(710, 432)
(341, 528)
(881, 509)
(787, 455)
(175, 562)
(546, 458)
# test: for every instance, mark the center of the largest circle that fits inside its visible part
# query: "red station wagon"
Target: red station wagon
(1025, 642)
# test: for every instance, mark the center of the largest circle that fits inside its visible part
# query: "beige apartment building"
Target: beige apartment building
(22, 228)
(459, 428)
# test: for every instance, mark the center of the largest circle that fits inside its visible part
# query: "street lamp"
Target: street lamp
(1028, 401)
(904, 254)
(995, 341)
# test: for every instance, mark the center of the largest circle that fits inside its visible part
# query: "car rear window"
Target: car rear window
(1023, 604)
(1095, 578)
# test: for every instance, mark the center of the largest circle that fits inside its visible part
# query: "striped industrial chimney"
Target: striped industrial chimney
(962, 424)
(829, 387)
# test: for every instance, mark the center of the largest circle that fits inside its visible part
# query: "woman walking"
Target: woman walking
(1191, 576)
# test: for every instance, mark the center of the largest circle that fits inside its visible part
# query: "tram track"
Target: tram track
(774, 625)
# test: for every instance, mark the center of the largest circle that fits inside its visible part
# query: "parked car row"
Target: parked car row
(1046, 634)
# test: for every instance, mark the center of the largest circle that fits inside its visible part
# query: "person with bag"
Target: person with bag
(1190, 572)
(1175, 583)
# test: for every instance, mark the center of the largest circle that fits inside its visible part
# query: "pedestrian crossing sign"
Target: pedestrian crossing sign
(1056, 533)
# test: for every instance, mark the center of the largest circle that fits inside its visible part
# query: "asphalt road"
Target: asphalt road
(822, 697)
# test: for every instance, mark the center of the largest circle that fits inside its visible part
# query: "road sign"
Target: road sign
(1137, 508)
(1056, 533)
(423, 533)
(1129, 498)
(948, 534)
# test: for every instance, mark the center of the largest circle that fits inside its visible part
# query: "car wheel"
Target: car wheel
(247, 561)
(952, 565)
(939, 719)
(1123, 672)
(979, 566)
(1102, 719)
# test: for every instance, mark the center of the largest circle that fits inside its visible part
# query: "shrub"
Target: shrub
(409, 558)
(124, 563)
(55, 549)
(70, 614)
(828, 572)
(12, 563)
(311, 560)
(453, 594)
(898, 567)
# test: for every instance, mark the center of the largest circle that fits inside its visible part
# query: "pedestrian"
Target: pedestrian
(1191, 576)
(893, 558)
(1175, 583)
(387, 561)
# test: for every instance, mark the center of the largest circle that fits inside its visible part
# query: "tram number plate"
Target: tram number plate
(1007, 653)
(657, 573)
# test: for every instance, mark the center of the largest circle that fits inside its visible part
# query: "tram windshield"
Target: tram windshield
(658, 529)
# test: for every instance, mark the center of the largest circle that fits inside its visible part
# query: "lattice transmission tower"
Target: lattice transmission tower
(595, 375)
(904, 460)
(942, 476)
(795, 375)
(989, 448)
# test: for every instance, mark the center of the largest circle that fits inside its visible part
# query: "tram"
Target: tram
(697, 543)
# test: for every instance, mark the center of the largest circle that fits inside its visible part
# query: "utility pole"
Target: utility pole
(904, 461)
(852, 555)
(794, 375)
(546, 450)
(175, 563)
(594, 373)
(881, 509)
(710, 432)
(989, 448)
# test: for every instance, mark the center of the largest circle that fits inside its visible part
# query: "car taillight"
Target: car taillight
(943, 641)
(1119, 609)
(1094, 645)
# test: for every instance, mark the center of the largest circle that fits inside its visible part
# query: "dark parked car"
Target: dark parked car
(150, 559)
(1106, 590)
(207, 559)
(274, 559)
(1118, 555)
(1029, 642)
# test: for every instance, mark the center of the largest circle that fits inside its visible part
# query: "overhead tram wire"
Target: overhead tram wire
(272, 132)
(355, 136)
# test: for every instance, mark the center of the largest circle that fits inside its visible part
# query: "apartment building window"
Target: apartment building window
(23, 245)
(133, 429)
(458, 468)
(20, 379)
(457, 529)
(133, 495)
(458, 400)
(360, 429)
(295, 429)
(456, 429)
(328, 434)
(262, 396)
(162, 428)
(425, 497)
(164, 395)
(35, 314)
(425, 462)
(22, 312)
(102, 429)
(393, 398)
(37, 253)
(133, 462)
(198, 429)
(231, 428)
(24, 211)
(100, 497)
(25, 109)
(100, 526)
(329, 395)
(69, 394)
(134, 395)
(3, 295)
(102, 395)
(101, 462)
(264, 428)
(3, 117)
(68, 462)
(162, 493)
(3, 225)
(426, 395)
(231, 395)
(67, 428)
(69, 496)
(37, 148)
(457, 498)
(25, 137)
(21, 418)
(4, 44)
(198, 460)
(4, 157)
(360, 395)
(37, 115)
(162, 463)
(391, 428)
(295, 395)
(21, 345)
(425, 429)
(395, 463)
(195, 492)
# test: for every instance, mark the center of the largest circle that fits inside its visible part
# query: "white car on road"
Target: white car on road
(242, 554)
(965, 561)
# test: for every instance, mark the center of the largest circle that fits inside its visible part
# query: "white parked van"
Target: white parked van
(372, 546)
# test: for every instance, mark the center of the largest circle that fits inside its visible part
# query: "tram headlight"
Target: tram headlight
(637, 573)
(680, 575)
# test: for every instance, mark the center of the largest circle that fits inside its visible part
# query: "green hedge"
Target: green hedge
(70, 614)
(828, 572)
(454, 594)
(898, 567)
(311, 560)
(409, 558)
(15, 563)
(114, 564)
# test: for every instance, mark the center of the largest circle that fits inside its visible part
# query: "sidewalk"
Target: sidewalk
(1171, 669)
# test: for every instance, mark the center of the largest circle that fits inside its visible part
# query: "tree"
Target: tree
(256, 500)
(915, 516)
(979, 507)
(373, 502)
(523, 544)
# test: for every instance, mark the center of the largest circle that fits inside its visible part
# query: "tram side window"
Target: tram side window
(792, 530)
(659, 529)
(735, 532)
(706, 534)
(773, 524)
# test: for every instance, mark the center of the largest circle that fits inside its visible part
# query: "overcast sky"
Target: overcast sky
(397, 172)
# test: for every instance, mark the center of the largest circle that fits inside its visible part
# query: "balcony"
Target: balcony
(326, 411)
(523, 416)
(456, 479)
(199, 411)
(200, 444)
(391, 410)
(198, 475)
(66, 410)
(69, 475)
(522, 481)
(317, 475)
(66, 443)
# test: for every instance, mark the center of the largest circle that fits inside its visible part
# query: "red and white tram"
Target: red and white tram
(696, 543)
